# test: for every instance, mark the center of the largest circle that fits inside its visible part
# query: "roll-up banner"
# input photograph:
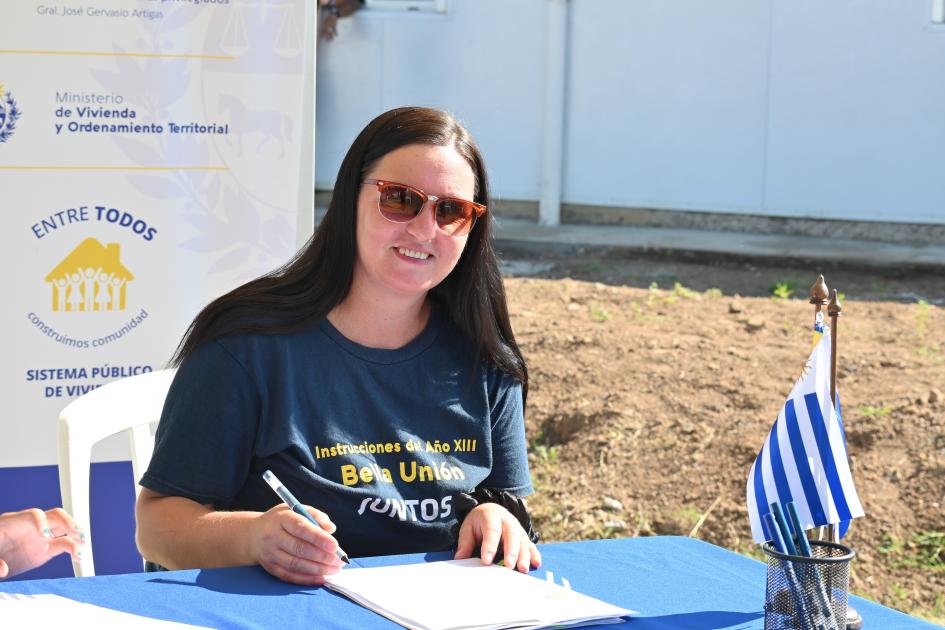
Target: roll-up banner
(153, 155)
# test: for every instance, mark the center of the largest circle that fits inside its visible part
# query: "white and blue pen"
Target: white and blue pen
(297, 507)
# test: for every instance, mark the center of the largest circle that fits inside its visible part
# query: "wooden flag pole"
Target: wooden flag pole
(834, 309)
(819, 297)
(819, 294)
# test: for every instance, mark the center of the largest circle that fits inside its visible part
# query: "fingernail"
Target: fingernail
(510, 561)
(489, 558)
(47, 532)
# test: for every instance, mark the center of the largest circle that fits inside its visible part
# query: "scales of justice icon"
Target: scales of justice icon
(287, 41)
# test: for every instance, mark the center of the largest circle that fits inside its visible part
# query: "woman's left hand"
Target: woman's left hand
(489, 524)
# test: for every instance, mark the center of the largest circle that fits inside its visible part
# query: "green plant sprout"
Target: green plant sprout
(687, 294)
(782, 290)
(874, 412)
(599, 313)
(922, 316)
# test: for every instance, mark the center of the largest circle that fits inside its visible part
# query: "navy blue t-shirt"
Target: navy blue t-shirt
(377, 439)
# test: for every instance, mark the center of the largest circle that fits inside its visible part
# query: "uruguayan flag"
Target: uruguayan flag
(804, 459)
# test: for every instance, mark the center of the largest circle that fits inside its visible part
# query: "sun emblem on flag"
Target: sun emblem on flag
(9, 114)
(805, 371)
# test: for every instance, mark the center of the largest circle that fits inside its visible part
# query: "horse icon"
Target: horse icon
(269, 123)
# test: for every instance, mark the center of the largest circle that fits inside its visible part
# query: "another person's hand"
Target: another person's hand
(30, 538)
(489, 524)
(331, 11)
(294, 550)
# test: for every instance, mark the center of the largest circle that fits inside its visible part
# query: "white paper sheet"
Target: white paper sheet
(53, 611)
(466, 594)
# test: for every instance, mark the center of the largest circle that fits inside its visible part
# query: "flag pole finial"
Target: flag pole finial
(819, 292)
(834, 308)
(818, 297)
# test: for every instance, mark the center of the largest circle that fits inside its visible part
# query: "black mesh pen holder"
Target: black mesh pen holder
(804, 593)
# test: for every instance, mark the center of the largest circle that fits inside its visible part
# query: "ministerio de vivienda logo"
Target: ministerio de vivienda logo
(9, 114)
(92, 293)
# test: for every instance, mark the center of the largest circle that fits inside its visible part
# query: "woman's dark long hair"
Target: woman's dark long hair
(318, 278)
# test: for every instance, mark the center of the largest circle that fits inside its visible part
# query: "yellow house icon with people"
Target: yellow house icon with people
(90, 278)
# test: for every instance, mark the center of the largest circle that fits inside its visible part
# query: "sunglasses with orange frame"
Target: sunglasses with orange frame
(401, 203)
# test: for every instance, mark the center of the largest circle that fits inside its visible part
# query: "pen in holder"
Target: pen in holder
(808, 593)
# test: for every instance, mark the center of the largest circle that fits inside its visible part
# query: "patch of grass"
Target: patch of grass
(547, 454)
(890, 546)
(874, 412)
(546, 461)
(682, 292)
(655, 295)
(899, 596)
(599, 313)
(641, 314)
(713, 293)
(922, 316)
(609, 532)
(783, 289)
(930, 550)
(690, 515)
(935, 614)
(878, 286)
(923, 550)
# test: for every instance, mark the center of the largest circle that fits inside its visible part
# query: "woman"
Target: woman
(376, 375)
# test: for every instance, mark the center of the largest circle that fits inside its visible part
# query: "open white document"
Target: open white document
(53, 611)
(467, 595)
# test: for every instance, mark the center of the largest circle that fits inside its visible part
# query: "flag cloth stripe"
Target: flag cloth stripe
(843, 432)
(760, 491)
(777, 468)
(827, 456)
(790, 471)
(845, 525)
(771, 490)
(811, 496)
(813, 456)
(841, 454)
(760, 499)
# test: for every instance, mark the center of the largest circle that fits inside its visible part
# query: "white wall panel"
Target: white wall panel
(779, 107)
(481, 60)
(857, 121)
(666, 104)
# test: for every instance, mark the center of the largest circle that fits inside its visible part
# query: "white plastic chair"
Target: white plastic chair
(129, 404)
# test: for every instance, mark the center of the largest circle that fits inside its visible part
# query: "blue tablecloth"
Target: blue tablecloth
(673, 582)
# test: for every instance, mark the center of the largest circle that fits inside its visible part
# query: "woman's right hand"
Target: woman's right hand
(30, 538)
(292, 549)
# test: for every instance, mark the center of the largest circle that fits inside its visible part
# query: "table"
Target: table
(674, 582)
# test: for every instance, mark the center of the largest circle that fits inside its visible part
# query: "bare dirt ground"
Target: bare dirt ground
(649, 402)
